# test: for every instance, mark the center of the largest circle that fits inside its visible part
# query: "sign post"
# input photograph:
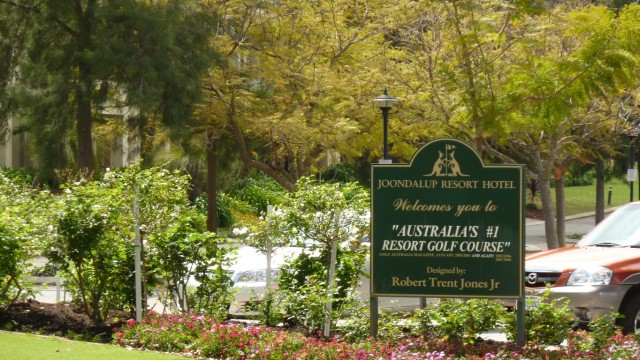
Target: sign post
(446, 225)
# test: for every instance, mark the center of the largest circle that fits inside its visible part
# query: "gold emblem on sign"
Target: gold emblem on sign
(446, 165)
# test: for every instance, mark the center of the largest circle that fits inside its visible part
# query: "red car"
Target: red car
(600, 274)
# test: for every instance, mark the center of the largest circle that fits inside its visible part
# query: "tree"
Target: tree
(507, 76)
(580, 60)
(86, 59)
(13, 28)
(318, 216)
(453, 57)
(291, 90)
(285, 92)
(600, 142)
(629, 113)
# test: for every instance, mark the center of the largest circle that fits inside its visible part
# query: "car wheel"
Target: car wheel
(631, 321)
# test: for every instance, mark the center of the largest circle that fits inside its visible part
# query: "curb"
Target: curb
(573, 217)
(591, 213)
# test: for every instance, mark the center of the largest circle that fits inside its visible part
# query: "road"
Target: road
(575, 227)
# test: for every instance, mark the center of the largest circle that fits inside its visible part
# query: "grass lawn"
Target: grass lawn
(14, 346)
(582, 199)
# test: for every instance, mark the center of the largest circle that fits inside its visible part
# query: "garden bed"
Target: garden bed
(62, 319)
(197, 336)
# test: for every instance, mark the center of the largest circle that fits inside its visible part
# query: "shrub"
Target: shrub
(270, 308)
(92, 257)
(92, 239)
(305, 306)
(548, 322)
(22, 178)
(9, 266)
(259, 191)
(578, 178)
(200, 336)
(304, 282)
(601, 331)
(317, 216)
(339, 173)
(224, 205)
(24, 222)
(186, 251)
(460, 320)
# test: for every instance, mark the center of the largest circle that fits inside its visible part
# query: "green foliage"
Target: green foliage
(340, 173)
(211, 338)
(25, 216)
(224, 205)
(323, 213)
(22, 178)
(9, 266)
(270, 307)
(599, 335)
(306, 305)
(603, 329)
(259, 191)
(187, 251)
(314, 217)
(580, 178)
(549, 322)
(355, 326)
(460, 320)
(313, 265)
(93, 237)
(93, 257)
(225, 216)
(213, 294)
(74, 60)
(304, 282)
(577, 176)
(394, 325)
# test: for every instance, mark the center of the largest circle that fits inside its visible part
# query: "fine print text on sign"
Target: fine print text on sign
(446, 225)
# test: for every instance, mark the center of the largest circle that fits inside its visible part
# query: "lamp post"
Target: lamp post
(632, 173)
(385, 103)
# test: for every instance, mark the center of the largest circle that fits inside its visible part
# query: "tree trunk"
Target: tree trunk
(281, 177)
(212, 186)
(84, 90)
(84, 130)
(547, 208)
(600, 173)
(560, 216)
(559, 173)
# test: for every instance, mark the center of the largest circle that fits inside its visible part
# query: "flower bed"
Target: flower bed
(201, 337)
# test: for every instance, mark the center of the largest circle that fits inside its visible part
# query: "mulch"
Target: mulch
(62, 319)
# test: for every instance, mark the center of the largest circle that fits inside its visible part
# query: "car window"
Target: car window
(248, 276)
(621, 228)
(257, 275)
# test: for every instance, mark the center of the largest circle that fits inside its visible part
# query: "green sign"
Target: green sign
(446, 225)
